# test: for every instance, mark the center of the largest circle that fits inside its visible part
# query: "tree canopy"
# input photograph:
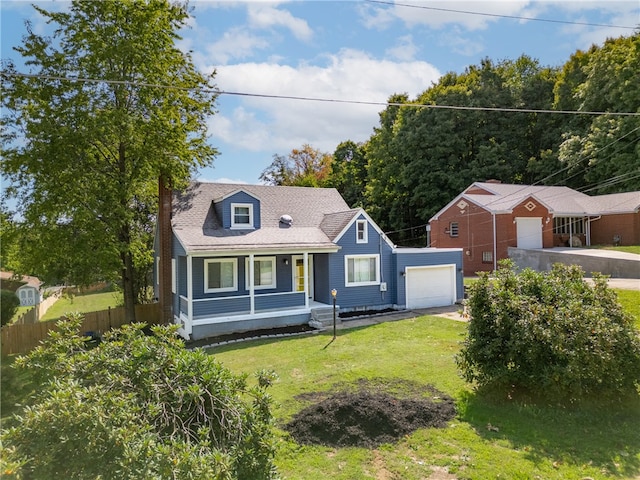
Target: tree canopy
(420, 157)
(138, 406)
(303, 167)
(109, 105)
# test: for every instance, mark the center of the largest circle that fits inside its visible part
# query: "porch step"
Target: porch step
(322, 318)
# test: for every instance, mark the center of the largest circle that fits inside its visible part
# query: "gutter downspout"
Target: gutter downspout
(589, 220)
(189, 324)
(495, 246)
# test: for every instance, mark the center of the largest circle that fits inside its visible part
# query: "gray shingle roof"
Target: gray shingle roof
(317, 214)
(560, 200)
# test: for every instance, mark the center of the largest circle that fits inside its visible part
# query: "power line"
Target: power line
(496, 15)
(317, 99)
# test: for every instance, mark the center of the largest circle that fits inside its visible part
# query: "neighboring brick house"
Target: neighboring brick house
(488, 217)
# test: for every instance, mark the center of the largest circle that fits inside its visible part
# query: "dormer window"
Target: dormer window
(361, 231)
(241, 215)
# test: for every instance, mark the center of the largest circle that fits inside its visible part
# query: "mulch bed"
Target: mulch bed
(372, 414)
(253, 334)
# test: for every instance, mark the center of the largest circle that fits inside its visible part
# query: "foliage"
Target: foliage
(349, 172)
(9, 304)
(304, 167)
(550, 333)
(139, 407)
(602, 151)
(420, 158)
(83, 157)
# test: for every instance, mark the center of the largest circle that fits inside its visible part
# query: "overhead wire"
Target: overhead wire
(497, 15)
(316, 99)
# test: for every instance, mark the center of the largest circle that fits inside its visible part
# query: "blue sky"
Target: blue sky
(348, 50)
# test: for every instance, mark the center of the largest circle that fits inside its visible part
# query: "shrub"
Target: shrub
(139, 407)
(9, 304)
(549, 333)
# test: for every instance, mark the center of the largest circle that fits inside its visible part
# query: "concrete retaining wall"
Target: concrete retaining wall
(616, 266)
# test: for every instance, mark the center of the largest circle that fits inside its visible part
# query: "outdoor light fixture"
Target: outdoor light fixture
(334, 292)
(286, 261)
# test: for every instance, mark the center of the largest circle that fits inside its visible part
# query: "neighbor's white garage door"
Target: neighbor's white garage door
(430, 286)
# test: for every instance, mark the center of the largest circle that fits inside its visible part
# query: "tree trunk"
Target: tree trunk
(128, 287)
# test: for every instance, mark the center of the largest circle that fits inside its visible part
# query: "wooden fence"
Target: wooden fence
(22, 338)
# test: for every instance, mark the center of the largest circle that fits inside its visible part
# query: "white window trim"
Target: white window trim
(365, 238)
(361, 284)
(233, 216)
(173, 275)
(233, 288)
(273, 267)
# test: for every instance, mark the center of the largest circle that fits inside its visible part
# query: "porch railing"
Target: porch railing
(241, 304)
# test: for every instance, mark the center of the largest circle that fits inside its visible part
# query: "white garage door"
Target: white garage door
(430, 286)
(529, 232)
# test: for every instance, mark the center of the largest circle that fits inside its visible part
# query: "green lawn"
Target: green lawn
(525, 441)
(90, 302)
(529, 441)
(629, 249)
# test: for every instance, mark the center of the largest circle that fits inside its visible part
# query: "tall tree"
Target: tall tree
(603, 152)
(303, 167)
(349, 172)
(109, 105)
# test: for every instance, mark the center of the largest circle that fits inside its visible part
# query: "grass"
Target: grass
(83, 303)
(630, 300)
(628, 249)
(525, 441)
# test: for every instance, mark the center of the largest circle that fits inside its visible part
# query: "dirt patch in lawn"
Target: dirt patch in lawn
(370, 413)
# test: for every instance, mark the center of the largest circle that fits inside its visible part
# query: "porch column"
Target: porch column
(252, 289)
(305, 262)
(189, 324)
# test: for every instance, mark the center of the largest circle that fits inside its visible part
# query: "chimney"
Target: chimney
(164, 239)
(493, 180)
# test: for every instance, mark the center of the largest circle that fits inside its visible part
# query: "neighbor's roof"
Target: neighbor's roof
(560, 201)
(13, 281)
(319, 214)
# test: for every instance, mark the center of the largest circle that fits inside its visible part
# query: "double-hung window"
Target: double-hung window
(362, 270)
(220, 275)
(264, 272)
(361, 231)
(241, 215)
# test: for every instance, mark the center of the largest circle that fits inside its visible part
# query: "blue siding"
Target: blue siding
(428, 257)
(176, 247)
(368, 296)
(221, 307)
(273, 302)
(224, 208)
(321, 278)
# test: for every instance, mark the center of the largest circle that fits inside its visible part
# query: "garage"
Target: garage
(430, 286)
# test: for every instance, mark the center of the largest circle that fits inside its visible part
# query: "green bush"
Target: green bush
(138, 407)
(551, 334)
(9, 304)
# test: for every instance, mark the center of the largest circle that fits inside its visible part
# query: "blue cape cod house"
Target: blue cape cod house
(248, 257)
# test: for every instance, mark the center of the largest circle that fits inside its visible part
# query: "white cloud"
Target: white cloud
(404, 49)
(279, 125)
(437, 14)
(265, 16)
(236, 43)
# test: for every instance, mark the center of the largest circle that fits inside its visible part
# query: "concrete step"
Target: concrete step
(322, 318)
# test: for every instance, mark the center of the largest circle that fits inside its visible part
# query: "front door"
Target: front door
(298, 274)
